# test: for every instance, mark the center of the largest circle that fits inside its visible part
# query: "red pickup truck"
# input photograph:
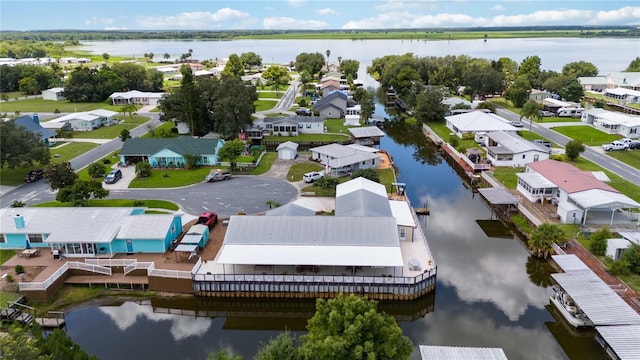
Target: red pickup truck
(208, 218)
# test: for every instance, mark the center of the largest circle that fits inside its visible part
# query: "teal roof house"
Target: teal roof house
(170, 152)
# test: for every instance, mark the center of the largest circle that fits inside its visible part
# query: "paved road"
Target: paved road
(286, 101)
(617, 167)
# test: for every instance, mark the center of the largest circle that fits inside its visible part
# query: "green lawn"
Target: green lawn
(555, 119)
(113, 131)
(507, 176)
(162, 131)
(29, 106)
(154, 204)
(14, 177)
(632, 280)
(265, 164)
(297, 170)
(336, 126)
(386, 178)
(68, 151)
(270, 94)
(309, 137)
(171, 178)
(5, 255)
(588, 135)
(262, 105)
(631, 157)
(83, 174)
(443, 131)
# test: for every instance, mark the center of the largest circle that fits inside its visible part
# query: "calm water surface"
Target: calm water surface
(489, 291)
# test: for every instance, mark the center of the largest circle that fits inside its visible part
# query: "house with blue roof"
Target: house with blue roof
(32, 123)
(171, 152)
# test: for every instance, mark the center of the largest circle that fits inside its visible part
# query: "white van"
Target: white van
(312, 176)
(570, 112)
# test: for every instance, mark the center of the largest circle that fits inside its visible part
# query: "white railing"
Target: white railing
(110, 262)
(175, 274)
(43, 285)
(491, 180)
(558, 249)
(244, 164)
(529, 215)
(197, 266)
(143, 265)
(76, 265)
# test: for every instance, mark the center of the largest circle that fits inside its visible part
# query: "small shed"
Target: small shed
(54, 94)
(196, 235)
(287, 150)
(615, 248)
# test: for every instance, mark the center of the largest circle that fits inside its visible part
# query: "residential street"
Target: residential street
(615, 166)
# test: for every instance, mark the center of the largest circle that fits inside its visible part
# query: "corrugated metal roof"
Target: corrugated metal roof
(479, 121)
(363, 203)
(536, 180)
(429, 352)
(498, 196)
(596, 299)
(312, 231)
(402, 212)
(515, 143)
(197, 229)
(367, 131)
(570, 263)
(191, 239)
(358, 184)
(290, 210)
(152, 226)
(597, 198)
(633, 236)
(182, 145)
(624, 340)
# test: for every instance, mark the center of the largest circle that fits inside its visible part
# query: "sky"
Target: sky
(309, 14)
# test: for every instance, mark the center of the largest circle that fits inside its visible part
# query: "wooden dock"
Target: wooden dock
(50, 323)
(422, 211)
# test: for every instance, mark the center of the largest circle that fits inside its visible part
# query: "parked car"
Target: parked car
(34, 175)
(516, 124)
(546, 113)
(312, 176)
(303, 112)
(541, 142)
(113, 176)
(615, 145)
(217, 175)
(634, 144)
(208, 218)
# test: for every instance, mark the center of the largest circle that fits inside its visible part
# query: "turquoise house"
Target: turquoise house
(88, 232)
(170, 152)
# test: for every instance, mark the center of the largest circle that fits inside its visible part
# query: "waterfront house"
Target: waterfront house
(613, 122)
(539, 95)
(623, 79)
(466, 125)
(368, 135)
(88, 120)
(624, 95)
(581, 197)
(286, 126)
(32, 124)
(135, 97)
(340, 160)
(170, 152)
(333, 105)
(593, 83)
(88, 232)
(53, 94)
(365, 248)
(509, 149)
(287, 150)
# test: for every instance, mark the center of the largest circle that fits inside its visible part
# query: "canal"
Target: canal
(490, 292)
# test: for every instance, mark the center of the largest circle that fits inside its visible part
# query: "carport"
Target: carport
(599, 201)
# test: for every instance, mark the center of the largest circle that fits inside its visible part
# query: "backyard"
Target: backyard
(113, 131)
(588, 135)
(29, 106)
(69, 150)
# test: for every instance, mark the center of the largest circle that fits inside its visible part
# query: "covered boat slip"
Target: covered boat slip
(431, 352)
(620, 342)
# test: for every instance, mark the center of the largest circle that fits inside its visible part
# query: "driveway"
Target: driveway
(128, 174)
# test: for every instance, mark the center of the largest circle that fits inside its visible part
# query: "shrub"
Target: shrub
(9, 278)
(367, 174)
(19, 269)
(453, 140)
(97, 170)
(598, 245)
(143, 169)
(106, 161)
(327, 182)
(138, 203)
(17, 204)
(617, 267)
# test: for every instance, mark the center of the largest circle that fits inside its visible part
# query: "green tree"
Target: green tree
(328, 52)
(223, 355)
(367, 105)
(487, 105)
(327, 182)
(19, 344)
(276, 74)
(250, 59)
(573, 149)
(166, 56)
(29, 86)
(133, 75)
(20, 147)
(556, 83)
(370, 174)
(60, 175)
(124, 135)
(106, 56)
(531, 111)
(350, 67)
(81, 191)
(349, 327)
(190, 107)
(632, 256)
(542, 239)
(228, 103)
(282, 347)
(231, 151)
(143, 169)
(234, 66)
(530, 70)
(311, 62)
(191, 161)
(129, 109)
(97, 169)
(578, 69)
(634, 65)
(572, 91)
(598, 241)
(518, 92)
(429, 106)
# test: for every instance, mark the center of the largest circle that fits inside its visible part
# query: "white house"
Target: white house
(286, 126)
(88, 120)
(623, 94)
(580, 196)
(341, 160)
(613, 122)
(539, 95)
(136, 97)
(509, 149)
(593, 83)
(467, 124)
(54, 94)
(287, 150)
(616, 247)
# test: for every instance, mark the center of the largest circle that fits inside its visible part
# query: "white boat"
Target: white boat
(565, 305)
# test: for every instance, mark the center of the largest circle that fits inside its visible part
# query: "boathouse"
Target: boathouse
(369, 247)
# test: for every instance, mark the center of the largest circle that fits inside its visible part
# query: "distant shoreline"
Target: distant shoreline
(383, 34)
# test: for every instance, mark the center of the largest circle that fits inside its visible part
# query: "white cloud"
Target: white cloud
(291, 23)
(327, 11)
(191, 20)
(97, 20)
(409, 19)
(297, 3)
(115, 28)
(392, 5)
(498, 7)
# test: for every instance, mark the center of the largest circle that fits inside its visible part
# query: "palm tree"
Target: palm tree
(531, 111)
(328, 52)
(130, 109)
(542, 239)
(166, 56)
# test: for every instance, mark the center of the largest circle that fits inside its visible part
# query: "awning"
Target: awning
(186, 248)
(191, 239)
